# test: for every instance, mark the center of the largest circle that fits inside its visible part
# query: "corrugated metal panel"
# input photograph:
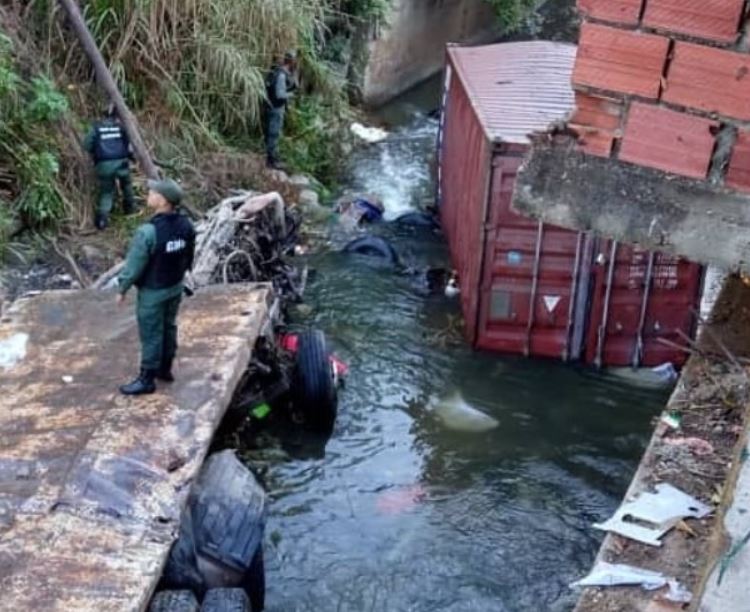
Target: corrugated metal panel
(530, 280)
(516, 88)
(464, 167)
(638, 299)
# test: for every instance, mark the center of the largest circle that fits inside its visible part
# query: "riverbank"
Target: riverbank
(702, 456)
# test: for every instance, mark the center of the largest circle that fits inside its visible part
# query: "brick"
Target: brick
(593, 141)
(627, 12)
(667, 140)
(595, 111)
(717, 20)
(709, 79)
(738, 175)
(620, 61)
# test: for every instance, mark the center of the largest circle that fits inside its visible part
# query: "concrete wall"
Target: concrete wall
(410, 46)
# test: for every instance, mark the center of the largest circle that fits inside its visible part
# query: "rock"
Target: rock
(300, 180)
(308, 198)
(718, 430)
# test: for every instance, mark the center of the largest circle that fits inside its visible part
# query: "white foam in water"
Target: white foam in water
(395, 169)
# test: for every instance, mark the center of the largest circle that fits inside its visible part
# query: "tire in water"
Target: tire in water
(226, 600)
(373, 246)
(174, 601)
(314, 386)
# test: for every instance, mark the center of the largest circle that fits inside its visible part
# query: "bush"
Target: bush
(27, 108)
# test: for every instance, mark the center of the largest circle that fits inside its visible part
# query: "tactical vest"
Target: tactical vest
(273, 76)
(173, 255)
(111, 142)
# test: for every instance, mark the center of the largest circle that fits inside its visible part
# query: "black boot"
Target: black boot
(101, 221)
(142, 385)
(129, 208)
(165, 371)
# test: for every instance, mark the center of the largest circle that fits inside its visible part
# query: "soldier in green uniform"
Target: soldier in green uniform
(280, 84)
(108, 144)
(160, 254)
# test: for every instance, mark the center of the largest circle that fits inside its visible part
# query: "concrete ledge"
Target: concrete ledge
(712, 399)
(92, 484)
(633, 204)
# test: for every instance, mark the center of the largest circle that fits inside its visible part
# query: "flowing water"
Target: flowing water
(401, 511)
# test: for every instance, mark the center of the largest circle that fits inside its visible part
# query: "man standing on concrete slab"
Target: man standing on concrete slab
(160, 254)
(280, 84)
(108, 144)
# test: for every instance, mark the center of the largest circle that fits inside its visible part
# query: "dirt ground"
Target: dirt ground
(700, 457)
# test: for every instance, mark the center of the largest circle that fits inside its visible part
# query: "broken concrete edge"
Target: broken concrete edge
(597, 599)
(226, 401)
(154, 538)
(694, 219)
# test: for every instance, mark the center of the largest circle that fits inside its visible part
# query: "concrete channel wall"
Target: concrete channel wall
(409, 46)
(703, 456)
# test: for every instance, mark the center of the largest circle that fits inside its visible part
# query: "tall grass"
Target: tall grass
(205, 59)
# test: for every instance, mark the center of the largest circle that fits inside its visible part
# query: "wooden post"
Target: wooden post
(104, 76)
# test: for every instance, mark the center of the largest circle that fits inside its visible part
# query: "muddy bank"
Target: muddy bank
(700, 457)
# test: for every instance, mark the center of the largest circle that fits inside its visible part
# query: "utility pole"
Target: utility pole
(104, 77)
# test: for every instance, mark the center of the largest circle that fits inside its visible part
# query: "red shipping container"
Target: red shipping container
(531, 288)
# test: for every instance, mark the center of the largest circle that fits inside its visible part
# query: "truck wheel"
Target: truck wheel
(174, 601)
(226, 600)
(256, 582)
(314, 386)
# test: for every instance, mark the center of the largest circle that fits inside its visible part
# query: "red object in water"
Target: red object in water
(527, 287)
(290, 343)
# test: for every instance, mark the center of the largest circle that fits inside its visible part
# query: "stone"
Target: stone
(308, 198)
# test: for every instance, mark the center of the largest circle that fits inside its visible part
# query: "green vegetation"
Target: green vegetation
(512, 13)
(29, 108)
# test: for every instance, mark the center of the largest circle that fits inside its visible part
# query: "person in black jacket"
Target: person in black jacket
(108, 144)
(160, 255)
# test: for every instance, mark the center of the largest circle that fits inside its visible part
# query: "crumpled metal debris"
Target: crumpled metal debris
(615, 574)
(649, 516)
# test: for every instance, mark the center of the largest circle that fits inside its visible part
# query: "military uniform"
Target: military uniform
(160, 254)
(109, 146)
(280, 84)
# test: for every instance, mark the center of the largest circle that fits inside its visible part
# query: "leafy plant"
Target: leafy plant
(512, 13)
(26, 109)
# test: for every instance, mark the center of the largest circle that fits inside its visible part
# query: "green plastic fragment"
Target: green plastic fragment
(261, 411)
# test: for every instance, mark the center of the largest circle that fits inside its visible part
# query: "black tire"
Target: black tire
(373, 246)
(417, 219)
(314, 387)
(255, 582)
(226, 600)
(174, 601)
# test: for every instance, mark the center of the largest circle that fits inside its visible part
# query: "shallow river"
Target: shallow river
(401, 512)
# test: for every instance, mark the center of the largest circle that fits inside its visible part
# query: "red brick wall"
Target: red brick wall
(660, 82)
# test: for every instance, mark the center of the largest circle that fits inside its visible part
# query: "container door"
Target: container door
(642, 305)
(530, 277)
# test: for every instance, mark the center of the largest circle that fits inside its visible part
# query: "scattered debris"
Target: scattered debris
(650, 515)
(671, 419)
(699, 446)
(614, 574)
(354, 210)
(68, 380)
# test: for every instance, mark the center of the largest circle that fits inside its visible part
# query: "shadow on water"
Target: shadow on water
(399, 511)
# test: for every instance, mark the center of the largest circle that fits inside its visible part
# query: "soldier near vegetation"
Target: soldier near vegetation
(280, 85)
(108, 144)
(160, 254)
